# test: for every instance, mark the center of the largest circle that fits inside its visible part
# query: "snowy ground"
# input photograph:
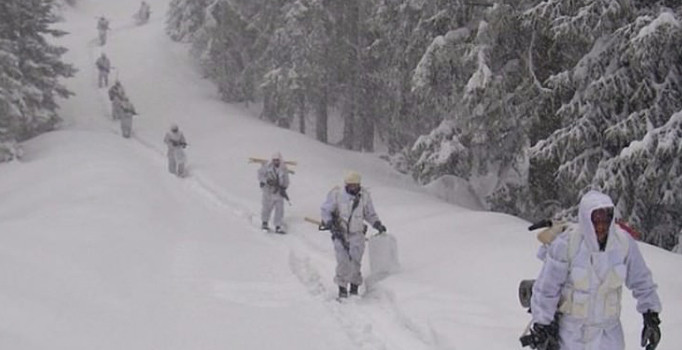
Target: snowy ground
(100, 248)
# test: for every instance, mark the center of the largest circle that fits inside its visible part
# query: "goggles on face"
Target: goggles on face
(353, 188)
(602, 215)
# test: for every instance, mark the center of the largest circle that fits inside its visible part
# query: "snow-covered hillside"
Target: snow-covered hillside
(101, 248)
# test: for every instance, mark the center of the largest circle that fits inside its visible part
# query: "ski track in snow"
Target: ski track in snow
(371, 322)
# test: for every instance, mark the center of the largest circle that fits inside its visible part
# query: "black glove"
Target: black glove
(651, 333)
(379, 227)
(544, 337)
(262, 185)
(324, 226)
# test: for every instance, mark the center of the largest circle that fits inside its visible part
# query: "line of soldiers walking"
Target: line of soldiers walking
(344, 213)
(121, 107)
(123, 110)
(576, 299)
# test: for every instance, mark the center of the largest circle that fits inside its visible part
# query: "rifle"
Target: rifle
(335, 228)
(178, 143)
(282, 192)
(273, 181)
(263, 161)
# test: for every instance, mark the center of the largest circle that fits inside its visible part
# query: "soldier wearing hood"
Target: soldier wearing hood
(273, 177)
(121, 108)
(103, 67)
(175, 140)
(102, 28)
(576, 299)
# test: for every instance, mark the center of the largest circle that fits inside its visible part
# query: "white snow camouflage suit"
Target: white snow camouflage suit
(272, 179)
(176, 152)
(102, 27)
(585, 284)
(103, 67)
(350, 246)
(122, 108)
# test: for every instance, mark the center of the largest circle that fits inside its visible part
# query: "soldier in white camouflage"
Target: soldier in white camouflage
(175, 140)
(273, 178)
(344, 213)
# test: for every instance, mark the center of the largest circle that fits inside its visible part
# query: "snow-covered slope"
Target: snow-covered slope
(101, 248)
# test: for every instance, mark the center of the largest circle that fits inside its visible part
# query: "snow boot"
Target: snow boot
(264, 226)
(279, 230)
(343, 292)
(354, 289)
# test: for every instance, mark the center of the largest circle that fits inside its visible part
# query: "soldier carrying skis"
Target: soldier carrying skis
(576, 299)
(273, 178)
(344, 213)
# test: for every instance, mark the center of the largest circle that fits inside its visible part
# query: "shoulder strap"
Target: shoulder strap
(622, 236)
(574, 240)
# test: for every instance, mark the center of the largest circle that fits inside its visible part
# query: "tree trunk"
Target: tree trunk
(300, 106)
(367, 130)
(349, 122)
(351, 138)
(268, 105)
(321, 117)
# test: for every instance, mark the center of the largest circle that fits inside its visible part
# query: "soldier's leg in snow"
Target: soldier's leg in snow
(343, 264)
(116, 110)
(171, 162)
(180, 160)
(356, 243)
(279, 210)
(181, 168)
(126, 125)
(266, 205)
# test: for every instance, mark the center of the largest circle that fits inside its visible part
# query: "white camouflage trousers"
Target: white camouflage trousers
(348, 261)
(176, 161)
(103, 78)
(126, 124)
(272, 201)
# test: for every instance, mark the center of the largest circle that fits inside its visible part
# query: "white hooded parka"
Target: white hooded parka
(584, 283)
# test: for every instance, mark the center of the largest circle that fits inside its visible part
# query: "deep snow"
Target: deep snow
(101, 248)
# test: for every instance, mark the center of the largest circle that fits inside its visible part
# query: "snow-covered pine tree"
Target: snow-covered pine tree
(307, 25)
(562, 33)
(644, 171)
(185, 17)
(317, 72)
(495, 120)
(480, 77)
(30, 69)
(618, 119)
(225, 47)
(413, 33)
(438, 75)
(10, 115)
(289, 63)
